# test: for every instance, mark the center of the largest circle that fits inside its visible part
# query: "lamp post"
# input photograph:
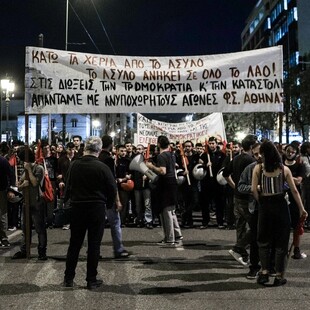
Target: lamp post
(8, 87)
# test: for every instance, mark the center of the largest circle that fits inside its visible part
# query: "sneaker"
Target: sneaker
(272, 272)
(66, 227)
(12, 229)
(262, 278)
(279, 281)
(92, 285)
(221, 227)
(252, 274)
(178, 239)
(5, 243)
(123, 254)
(42, 257)
(298, 255)
(203, 227)
(161, 242)
(19, 255)
(68, 283)
(149, 225)
(170, 244)
(238, 258)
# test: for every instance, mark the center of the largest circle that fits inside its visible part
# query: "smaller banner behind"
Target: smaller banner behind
(68, 82)
(196, 131)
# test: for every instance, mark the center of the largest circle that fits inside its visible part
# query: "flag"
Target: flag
(12, 160)
(39, 157)
(147, 153)
(206, 147)
(185, 159)
(224, 146)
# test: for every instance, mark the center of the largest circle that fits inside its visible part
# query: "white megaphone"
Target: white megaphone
(138, 164)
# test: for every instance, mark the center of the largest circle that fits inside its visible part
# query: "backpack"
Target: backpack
(46, 186)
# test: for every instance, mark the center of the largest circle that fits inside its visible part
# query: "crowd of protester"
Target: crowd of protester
(215, 179)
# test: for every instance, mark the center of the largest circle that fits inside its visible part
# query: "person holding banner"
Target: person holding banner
(37, 204)
(166, 190)
(211, 190)
(6, 179)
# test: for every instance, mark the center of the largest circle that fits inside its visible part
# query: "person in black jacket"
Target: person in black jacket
(91, 188)
(112, 214)
(6, 178)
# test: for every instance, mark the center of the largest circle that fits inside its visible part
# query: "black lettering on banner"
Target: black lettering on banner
(211, 74)
(134, 63)
(141, 100)
(41, 82)
(198, 100)
(191, 75)
(262, 98)
(234, 72)
(107, 86)
(230, 97)
(257, 84)
(55, 99)
(99, 61)
(155, 63)
(157, 87)
(76, 84)
(92, 74)
(73, 60)
(258, 71)
(44, 57)
(92, 99)
(116, 74)
(185, 63)
(157, 75)
(218, 85)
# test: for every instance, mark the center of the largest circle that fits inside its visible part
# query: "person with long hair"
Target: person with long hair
(273, 214)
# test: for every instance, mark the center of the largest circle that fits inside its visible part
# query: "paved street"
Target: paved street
(199, 275)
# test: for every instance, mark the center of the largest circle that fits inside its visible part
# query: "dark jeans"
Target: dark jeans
(254, 254)
(89, 218)
(191, 201)
(37, 218)
(273, 229)
(211, 191)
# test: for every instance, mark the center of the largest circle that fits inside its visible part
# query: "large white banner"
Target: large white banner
(196, 131)
(59, 81)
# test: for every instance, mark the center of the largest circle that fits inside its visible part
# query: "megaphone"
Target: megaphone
(18, 195)
(199, 172)
(219, 177)
(137, 164)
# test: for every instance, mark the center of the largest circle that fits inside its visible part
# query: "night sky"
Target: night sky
(135, 27)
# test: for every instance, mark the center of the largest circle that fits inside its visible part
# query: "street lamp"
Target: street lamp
(96, 127)
(7, 87)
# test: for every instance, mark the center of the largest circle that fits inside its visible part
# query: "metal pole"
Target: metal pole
(7, 102)
(27, 198)
(1, 113)
(67, 24)
(64, 119)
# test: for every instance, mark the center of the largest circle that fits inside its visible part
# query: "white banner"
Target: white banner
(59, 81)
(196, 131)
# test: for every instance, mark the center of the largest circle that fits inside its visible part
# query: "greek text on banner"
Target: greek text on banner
(59, 81)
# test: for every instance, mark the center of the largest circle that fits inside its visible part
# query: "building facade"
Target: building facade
(286, 23)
